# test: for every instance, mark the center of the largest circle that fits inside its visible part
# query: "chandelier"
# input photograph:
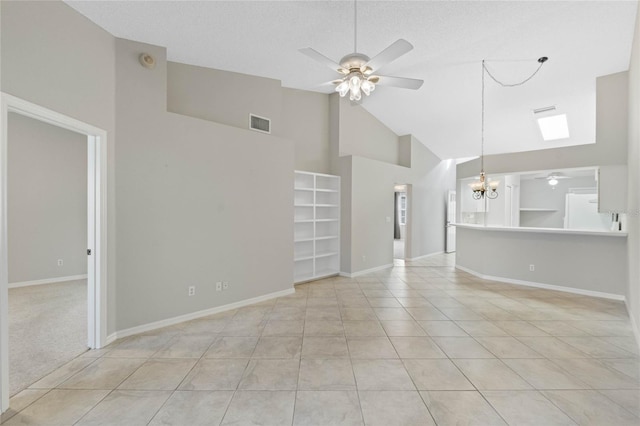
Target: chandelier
(489, 188)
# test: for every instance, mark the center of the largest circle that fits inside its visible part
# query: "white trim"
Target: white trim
(97, 214)
(195, 315)
(366, 271)
(634, 325)
(425, 256)
(47, 281)
(545, 286)
(4, 261)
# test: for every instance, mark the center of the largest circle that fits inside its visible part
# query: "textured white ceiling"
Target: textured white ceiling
(583, 39)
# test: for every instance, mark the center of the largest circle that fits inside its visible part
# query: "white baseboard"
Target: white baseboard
(425, 256)
(634, 324)
(545, 286)
(194, 315)
(366, 271)
(47, 281)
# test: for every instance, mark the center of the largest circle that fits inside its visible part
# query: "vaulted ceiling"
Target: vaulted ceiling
(583, 39)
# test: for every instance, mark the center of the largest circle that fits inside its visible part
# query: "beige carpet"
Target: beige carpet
(47, 328)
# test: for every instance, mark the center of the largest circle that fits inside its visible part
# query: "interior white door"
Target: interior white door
(450, 243)
(97, 170)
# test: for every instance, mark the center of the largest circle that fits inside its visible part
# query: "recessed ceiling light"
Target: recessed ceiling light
(554, 127)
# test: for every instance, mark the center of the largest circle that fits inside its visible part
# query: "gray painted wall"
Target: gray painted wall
(57, 58)
(633, 202)
(47, 200)
(221, 96)
(228, 98)
(198, 202)
(371, 203)
(362, 135)
(305, 121)
(585, 262)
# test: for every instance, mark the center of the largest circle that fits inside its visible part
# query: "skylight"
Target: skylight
(554, 127)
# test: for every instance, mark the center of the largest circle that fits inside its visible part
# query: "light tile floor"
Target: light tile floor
(419, 344)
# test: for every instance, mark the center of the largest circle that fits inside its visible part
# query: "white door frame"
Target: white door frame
(97, 226)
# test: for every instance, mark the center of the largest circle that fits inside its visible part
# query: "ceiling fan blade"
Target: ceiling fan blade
(402, 82)
(390, 54)
(319, 57)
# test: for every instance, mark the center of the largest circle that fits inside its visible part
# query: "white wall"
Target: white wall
(198, 202)
(633, 202)
(537, 193)
(610, 147)
(46, 201)
(582, 262)
(55, 57)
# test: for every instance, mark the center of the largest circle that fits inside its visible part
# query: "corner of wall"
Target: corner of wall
(633, 188)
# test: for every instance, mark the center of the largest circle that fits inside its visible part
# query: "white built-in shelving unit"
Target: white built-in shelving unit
(316, 226)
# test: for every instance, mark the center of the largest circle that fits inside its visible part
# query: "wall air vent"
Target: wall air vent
(259, 124)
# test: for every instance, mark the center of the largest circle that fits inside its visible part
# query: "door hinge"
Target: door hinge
(88, 252)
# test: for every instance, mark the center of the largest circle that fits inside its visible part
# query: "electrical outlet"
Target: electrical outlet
(364, 257)
(60, 262)
(532, 268)
(219, 286)
(192, 290)
(225, 285)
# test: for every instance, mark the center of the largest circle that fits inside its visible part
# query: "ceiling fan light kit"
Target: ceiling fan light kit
(358, 69)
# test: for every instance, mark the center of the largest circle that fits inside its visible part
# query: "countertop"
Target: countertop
(542, 230)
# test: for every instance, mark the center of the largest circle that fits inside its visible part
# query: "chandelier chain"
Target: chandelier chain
(484, 67)
(482, 138)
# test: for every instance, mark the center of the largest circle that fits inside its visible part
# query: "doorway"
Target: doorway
(400, 221)
(96, 226)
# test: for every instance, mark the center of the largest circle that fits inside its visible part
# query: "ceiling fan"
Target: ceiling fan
(360, 73)
(553, 178)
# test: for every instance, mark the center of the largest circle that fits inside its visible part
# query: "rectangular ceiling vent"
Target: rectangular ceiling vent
(259, 124)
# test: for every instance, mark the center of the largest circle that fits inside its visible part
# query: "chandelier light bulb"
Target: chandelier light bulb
(343, 89)
(355, 84)
(553, 182)
(367, 87)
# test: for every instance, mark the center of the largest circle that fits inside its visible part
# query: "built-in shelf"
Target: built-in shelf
(538, 210)
(317, 226)
(300, 259)
(334, 253)
(303, 240)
